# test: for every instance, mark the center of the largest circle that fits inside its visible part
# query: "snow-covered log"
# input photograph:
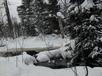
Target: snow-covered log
(63, 52)
(4, 50)
(46, 56)
(19, 51)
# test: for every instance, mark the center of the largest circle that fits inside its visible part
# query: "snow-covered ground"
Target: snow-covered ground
(38, 42)
(34, 42)
(14, 66)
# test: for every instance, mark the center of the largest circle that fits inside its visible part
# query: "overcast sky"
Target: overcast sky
(13, 7)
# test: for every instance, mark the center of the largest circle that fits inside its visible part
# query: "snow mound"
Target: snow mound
(43, 56)
(13, 66)
(29, 59)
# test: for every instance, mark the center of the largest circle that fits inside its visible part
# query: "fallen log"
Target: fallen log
(13, 51)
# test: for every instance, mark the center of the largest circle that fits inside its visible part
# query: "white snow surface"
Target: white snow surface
(14, 66)
(35, 42)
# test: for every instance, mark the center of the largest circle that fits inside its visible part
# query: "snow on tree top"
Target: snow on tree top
(87, 4)
(93, 18)
(46, 1)
(59, 14)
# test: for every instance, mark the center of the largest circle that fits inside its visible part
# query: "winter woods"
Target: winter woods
(79, 20)
(51, 37)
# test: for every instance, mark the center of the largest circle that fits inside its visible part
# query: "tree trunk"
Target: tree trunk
(61, 27)
(8, 18)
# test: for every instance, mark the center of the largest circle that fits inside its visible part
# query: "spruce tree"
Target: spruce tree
(26, 15)
(40, 16)
(85, 26)
(46, 15)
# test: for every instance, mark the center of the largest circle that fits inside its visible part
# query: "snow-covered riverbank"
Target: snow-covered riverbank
(33, 42)
(13, 66)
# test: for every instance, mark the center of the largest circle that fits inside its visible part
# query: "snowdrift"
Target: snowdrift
(13, 66)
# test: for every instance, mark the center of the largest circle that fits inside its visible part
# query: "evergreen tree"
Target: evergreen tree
(85, 26)
(26, 15)
(46, 15)
(39, 16)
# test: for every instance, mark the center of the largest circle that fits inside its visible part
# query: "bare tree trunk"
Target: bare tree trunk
(2, 33)
(61, 27)
(86, 71)
(8, 18)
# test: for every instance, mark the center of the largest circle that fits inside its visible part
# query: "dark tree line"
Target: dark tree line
(39, 17)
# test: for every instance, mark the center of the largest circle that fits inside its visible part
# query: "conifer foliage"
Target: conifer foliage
(85, 26)
(39, 16)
